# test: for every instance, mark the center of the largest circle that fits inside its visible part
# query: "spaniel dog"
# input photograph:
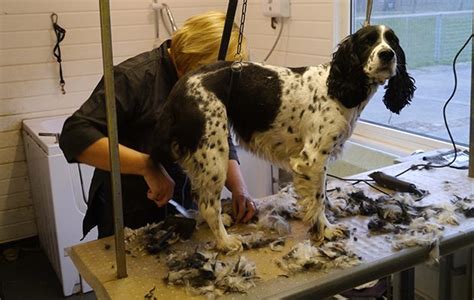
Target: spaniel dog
(296, 118)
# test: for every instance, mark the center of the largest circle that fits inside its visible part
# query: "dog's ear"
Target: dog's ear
(347, 81)
(401, 87)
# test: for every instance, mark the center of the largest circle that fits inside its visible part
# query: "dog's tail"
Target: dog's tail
(179, 128)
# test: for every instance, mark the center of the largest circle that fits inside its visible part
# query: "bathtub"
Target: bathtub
(59, 198)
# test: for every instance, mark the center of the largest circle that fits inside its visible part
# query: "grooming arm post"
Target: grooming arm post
(471, 135)
(368, 12)
(107, 61)
(229, 21)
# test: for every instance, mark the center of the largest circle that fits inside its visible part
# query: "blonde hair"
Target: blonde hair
(197, 42)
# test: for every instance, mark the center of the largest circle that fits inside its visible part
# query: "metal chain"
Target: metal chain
(241, 30)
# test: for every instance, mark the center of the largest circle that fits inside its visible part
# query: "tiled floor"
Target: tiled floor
(31, 275)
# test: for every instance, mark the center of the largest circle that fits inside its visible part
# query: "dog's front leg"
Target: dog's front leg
(211, 212)
(207, 169)
(309, 177)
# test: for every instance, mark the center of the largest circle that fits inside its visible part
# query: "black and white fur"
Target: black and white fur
(296, 118)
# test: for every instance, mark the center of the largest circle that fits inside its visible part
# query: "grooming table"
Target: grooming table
(96, 260)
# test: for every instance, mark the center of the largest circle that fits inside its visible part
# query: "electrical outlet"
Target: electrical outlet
(276, 8)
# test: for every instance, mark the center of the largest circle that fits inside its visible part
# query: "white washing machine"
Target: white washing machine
(59, 198)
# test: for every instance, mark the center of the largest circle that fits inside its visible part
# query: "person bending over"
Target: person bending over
(142, 85)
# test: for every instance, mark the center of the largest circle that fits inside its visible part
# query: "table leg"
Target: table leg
(445, 267)
(407, 284)
(470, 283)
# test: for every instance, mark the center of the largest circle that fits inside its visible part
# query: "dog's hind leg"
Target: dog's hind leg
(207, 169)
(309, 177)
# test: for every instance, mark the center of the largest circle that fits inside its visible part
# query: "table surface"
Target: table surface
(95, 260)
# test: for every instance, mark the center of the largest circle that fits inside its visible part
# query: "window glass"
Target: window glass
(430, 32)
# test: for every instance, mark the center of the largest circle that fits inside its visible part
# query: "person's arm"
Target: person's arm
(83, 137)
(97, 155)
(243, 206)
(132, 162)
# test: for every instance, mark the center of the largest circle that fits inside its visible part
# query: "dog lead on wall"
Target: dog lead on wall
(296, 118)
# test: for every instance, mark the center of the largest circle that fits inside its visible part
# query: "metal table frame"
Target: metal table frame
(402, 262)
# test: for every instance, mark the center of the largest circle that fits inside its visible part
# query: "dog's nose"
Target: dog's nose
(386, 55)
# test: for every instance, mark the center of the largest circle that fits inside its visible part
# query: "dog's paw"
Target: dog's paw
(230, 245)
(334, 232)
(317, 231)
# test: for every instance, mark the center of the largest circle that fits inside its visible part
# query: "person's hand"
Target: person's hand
(243, 207)
(160, 184)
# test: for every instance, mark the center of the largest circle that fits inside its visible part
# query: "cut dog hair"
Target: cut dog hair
(296, 118)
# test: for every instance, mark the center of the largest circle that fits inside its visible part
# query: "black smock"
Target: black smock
(142, 84)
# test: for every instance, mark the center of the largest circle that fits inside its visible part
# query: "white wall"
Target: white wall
(29, 78)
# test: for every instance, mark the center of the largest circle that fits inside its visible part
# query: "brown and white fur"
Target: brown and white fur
(296, 118)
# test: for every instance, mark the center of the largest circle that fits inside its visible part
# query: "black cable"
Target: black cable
(60, 34)
(375, 188)
(356, 181)
(82, 184)
(429, 165)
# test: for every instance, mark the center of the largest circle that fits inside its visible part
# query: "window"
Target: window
(431, 32)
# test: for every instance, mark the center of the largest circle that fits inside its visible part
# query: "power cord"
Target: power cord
(429, 165)
(81, 179)
(276, 40)
(356, 181)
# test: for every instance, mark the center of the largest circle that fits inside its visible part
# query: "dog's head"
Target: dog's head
(370, 56)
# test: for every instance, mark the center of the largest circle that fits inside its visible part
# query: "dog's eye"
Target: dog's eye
(372, 38)
(391, 37)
